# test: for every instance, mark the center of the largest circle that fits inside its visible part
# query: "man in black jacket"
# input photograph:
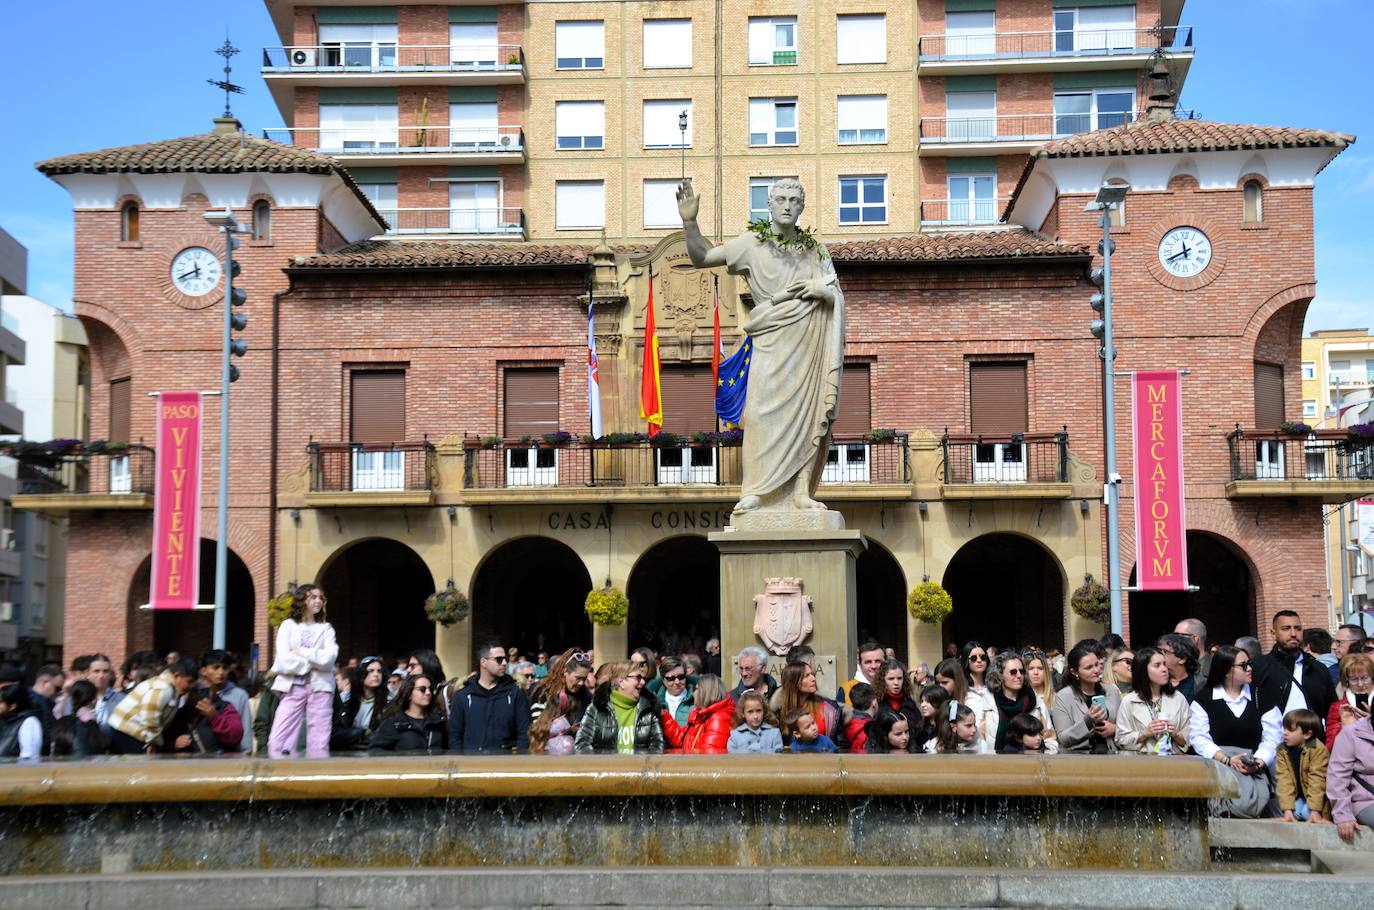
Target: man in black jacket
(1275, 672)
(489, 715)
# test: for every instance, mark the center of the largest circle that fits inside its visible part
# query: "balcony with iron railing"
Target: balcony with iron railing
(1052, 49)
(120, 478)
(956, 214)
(382, 64)
(1349, 378)
(482, 223)
(371, 474)
(408, 144)
(1017, 465)
(1327, 464)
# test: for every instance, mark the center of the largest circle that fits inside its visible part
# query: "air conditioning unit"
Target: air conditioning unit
(6, 611)
(302, 56)
(507, 140)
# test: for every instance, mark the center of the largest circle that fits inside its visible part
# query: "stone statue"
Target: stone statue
(797, 327)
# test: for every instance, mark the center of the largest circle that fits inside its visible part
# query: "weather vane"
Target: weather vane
(226, 51)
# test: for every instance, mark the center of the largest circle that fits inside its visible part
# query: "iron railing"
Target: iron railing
(1056, 43)
(122, 471)
(1023, 127)
(1013, 458)
(683, 462)
(377, 57)
(1322, 455)
(509, 221)
(403, 140)
(348, 467)
(960, 212)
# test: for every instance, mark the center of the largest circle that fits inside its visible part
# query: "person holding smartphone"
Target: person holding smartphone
(1233, 724)
(1352, 702)
(1084, 710)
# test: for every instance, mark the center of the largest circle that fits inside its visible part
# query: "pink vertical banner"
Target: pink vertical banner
(176, 505)
(1161, 548)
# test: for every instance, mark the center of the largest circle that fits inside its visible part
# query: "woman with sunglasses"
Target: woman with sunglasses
(622, 717)
(566, 687)
(1010, 694)
(1121, 664)
(1153, 718)
(975, 661)
(1229, 724)
(675, 688)
(1084, 709)
(412, 723)
(356, 719)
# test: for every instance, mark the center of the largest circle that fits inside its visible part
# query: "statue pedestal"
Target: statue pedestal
(825, 562)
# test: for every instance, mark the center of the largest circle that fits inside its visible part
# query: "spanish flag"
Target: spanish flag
(650, 386)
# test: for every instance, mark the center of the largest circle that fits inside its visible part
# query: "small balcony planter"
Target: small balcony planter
(557, 440)
(882, 434)
(1295, 428)
(668, 441)
(1359, 436)
(723, 438)
(625, 439)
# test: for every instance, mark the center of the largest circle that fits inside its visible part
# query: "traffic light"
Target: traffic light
(1098, 301)
(237, 321)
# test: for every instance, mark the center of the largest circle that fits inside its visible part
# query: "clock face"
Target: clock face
(195, 271)
(1185, 252)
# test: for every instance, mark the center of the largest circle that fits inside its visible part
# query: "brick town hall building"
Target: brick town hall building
(387, 426)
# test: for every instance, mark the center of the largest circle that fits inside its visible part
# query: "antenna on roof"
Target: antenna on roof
(226, 51)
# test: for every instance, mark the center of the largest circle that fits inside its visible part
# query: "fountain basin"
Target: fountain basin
(1018, 812)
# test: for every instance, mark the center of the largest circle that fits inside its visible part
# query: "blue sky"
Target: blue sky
(134, 71)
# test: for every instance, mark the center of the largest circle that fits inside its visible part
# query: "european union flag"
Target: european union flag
(733, 384)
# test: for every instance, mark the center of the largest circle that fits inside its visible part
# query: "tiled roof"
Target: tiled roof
(207, 153)
(432, 254)
(1145, 137)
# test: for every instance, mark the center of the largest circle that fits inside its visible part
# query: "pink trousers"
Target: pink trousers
(318, 710)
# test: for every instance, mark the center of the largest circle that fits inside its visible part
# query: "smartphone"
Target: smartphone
(1099, 701)
(1362, 700)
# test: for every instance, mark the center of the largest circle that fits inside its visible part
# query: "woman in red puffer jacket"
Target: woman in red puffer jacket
(708, 727)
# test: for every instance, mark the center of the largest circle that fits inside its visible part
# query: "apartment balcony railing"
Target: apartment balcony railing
(1350, 378)
(355, 467)
(1022, 127)
(680, 462)
(508, 222)
(123, 478)
(961, 212)
(1321, 457)
(369, 57)
(443, 141)
(1055, 43)
(1016, 458)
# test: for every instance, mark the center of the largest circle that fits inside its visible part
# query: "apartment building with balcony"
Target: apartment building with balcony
(14, 261)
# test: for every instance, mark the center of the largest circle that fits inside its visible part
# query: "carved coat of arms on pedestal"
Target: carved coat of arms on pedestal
(782, 614)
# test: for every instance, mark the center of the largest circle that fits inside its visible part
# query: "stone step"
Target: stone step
(1271, 834)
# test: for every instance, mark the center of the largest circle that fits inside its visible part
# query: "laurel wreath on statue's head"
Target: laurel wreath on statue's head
(803, 239)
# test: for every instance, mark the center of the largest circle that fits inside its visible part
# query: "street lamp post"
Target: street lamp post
(1109, 197)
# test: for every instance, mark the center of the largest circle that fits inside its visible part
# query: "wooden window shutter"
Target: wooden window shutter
(531, 402)
(689, 399)
(120, 404)
(378, 412)
(1268, 396)
(855, 416)
(998, 403)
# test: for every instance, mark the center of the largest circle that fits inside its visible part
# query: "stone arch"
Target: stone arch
(376, 588)
(191, 631)
(1225, 602)
(882, 589)
(529, 591)
(1008, 589)
(674, 591)
(1298, 292)
(1279, 341)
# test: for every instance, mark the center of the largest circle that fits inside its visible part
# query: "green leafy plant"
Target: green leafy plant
(490, 442)
(279, 608)
(880, 435)
(557, 439)
(1295, 428)
(930, 603)
(803, 239)
(447, 606)
(607, 606)
(1091, 601)
(621, 439)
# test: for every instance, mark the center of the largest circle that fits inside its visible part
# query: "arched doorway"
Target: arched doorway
(1224, 601)
(882, 600)
(377, 590)
(531, 593)
(191, 632)
(1007, 590)
(674, 593)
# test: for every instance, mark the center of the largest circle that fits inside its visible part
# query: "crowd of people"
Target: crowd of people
(1292, 726)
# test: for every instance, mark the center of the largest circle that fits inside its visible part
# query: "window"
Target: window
(377, 422)
(358, 127)
(971, 116)
(772, 121)
(1254, 202)
(861, 39)
(473, 45)
(688, 407)
(970, 34)
(580, 124)
(660, 204)
(661, 124)
(998, 408)
(1309, 369)
(667, 43)
(531, 410)
(862, 118)
(128, 222)
(773, 41)
(848, 462)
(972, 198)
(1094, 29)
(580, 45)
(1309, 408)
(358, 46)
(383, 197)
(474, 207)
(262, 221)
(1118, 214)
(1268, 395)
(1097, 109)
(579, 204)
(472, 124)
(758, 196)
(863, 200)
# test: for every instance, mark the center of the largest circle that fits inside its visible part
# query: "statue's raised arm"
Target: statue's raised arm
(703, 255)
